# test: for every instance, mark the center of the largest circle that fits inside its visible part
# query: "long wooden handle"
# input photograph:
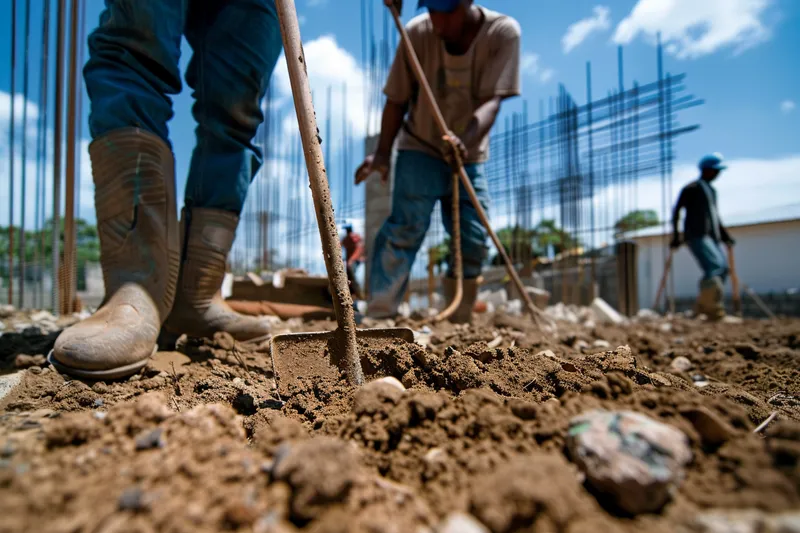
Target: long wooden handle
(663, 284)
(309, 133)
(473, 197)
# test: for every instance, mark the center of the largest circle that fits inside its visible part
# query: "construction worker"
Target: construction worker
(353, 246)
(470, 56)
(703, 231)
(155, 273)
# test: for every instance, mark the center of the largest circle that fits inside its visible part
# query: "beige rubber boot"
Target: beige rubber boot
(137, 223)
(463, 314)
(199, 309)
(710, 300)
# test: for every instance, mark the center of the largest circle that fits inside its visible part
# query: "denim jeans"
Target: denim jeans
(420, 181)
(710, 257)
(133, 68)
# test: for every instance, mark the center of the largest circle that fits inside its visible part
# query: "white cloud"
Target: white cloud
(787, 106)
(694, 28)
(329, 65)
(581, 30)
(531, 65)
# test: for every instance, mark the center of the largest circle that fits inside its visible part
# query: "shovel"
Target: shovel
(427, 93)
(317, 355)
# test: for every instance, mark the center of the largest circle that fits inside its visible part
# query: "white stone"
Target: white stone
(606, 313)
(666, 327)
(680, 364)
(600, 343)
(547, 353)
(6, 310)
(461, 523)
(43, 316)
(8, 382)
(392, 381)
(647, 314)
(404, 310)
(513, 308)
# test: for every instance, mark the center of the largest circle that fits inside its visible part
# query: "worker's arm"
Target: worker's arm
(391, 122)
(725, 236)
(676, 218)
(482, 121)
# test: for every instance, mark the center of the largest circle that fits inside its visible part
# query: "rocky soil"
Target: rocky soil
(497, 427)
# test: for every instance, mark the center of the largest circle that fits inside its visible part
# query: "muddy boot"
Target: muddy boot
(463, 314)
(199, 309)
(709, 302)
(137, 223)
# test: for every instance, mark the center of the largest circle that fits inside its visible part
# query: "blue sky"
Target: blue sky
(740, 57)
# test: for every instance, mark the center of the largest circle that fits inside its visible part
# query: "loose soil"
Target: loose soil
(204, 439)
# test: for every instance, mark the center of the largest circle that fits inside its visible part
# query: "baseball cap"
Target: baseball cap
(445, 6)
(712, 161)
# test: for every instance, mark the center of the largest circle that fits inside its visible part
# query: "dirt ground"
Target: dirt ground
(205, 439)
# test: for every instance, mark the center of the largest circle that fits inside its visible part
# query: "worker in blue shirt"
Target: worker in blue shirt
(703, 232)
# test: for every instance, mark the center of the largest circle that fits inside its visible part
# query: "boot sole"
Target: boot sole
(99, 375)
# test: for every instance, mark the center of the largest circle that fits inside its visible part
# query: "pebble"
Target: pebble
(580, 344)
(600, 343)
(745, 521)
(680, 364)
(100, 387)
(666, 327)
(150, 439)
(709, 425)
(633, 459)
(392, 381)
(461, 523)
(700, 381)
(133, 499)
(547, 353)
(6, 310)
(98, 402)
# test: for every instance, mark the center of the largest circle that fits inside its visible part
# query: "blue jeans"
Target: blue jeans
(420, 181)
(710, 257)
(133, 68)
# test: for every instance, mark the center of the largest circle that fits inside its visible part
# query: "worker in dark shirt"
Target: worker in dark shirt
(702, 232)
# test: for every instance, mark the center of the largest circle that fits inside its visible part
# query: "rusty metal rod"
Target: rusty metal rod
(68, 294)
(320, 190)
(58, 127)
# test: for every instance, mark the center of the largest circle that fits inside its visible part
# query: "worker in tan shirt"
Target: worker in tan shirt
(470, 56)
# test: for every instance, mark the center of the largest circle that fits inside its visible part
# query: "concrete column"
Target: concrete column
(378, 199)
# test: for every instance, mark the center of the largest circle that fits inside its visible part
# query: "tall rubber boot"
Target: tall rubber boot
(199, 309)
(463, 314)
(137, 223)
(710, 300)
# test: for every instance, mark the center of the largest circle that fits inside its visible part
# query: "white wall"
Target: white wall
(767, 260)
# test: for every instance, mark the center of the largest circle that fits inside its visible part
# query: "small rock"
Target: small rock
(700, 381)
(633, 459)
(7, 450)
(35, 370)
(100, 387)
(98, 402)
(392, 381)
(580, 344)
(600, 343)
(6, 310)
(100, 415)
(666, 327)
(150, 439)
(224, 340)
(27, 361)
(728, 521)
(547, 353)
(133, 499)
(712, 428)
(461, 523)
(680, 364)
(377, 396)
(41, 316)
(135, 377)
(522, 409)
(606, 313)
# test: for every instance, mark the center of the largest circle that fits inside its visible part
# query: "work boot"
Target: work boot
(463, 314)
(199, 310)
(710, 299)
(137, 223)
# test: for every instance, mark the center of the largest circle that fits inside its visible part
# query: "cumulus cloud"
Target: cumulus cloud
(330, 65)
(787, 106)
(692, 28)
(581, 30)
(531, 65)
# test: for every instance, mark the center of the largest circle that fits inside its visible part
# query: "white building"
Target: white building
(767, 255)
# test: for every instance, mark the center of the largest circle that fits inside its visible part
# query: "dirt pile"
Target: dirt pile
(202, 440)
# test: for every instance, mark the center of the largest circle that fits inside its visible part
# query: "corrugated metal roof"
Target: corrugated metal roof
(769, 215)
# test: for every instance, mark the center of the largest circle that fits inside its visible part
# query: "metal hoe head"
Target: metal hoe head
(315, 356)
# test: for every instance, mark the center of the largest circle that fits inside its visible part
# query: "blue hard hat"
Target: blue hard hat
(712, 161)
(444, 6)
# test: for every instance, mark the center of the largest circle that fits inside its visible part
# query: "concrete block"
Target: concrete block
(606, 313)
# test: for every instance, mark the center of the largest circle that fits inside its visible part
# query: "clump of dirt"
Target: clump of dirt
(207, 439)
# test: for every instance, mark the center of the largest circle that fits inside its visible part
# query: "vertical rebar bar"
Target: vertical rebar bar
(57, 147)
(11, 152)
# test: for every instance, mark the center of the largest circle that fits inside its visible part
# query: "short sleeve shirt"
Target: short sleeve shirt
(490, 68)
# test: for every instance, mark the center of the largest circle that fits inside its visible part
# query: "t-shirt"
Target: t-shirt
(699, 199)
(460, 83)
(353, 246)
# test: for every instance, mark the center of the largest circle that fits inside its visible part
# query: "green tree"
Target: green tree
(635, 220)
(548, 234)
